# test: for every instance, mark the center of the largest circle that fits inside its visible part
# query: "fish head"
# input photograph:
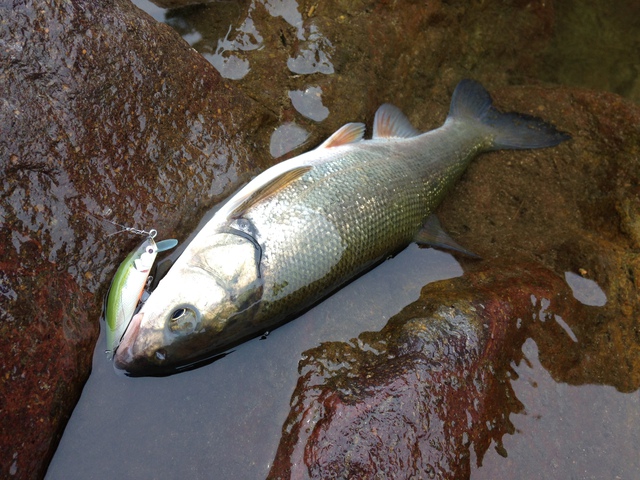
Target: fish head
(196, 308)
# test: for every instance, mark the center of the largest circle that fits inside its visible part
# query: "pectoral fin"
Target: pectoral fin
(432, 234)
(271, 187)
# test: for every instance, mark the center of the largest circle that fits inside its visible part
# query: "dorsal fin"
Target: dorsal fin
(390, 122)
(269, 188)
(349, 133)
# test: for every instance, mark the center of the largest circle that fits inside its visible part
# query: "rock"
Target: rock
(426, 394)
(179, 3)
(102, 109)
(44, 340)
(362, 54)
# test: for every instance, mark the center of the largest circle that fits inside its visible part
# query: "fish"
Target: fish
(307, 226)
(127, 288)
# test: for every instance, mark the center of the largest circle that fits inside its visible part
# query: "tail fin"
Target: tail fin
(471, 102)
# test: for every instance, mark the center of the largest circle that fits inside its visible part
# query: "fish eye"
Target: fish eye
(184, 320)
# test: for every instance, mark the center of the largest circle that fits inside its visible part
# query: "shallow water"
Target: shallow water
(224, 420)
(586, 432)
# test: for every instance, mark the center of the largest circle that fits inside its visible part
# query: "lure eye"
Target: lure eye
(178, 313)
(151, 250)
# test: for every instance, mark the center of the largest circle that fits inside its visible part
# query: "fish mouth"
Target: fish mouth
(134, 357)
(124, 355)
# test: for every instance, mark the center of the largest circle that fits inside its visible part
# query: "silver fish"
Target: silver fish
(308, 225)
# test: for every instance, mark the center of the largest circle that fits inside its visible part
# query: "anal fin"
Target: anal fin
(433, 235)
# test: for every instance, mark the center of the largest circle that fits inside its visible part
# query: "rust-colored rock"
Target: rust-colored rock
(572, 208)
(427, 393)
(42, 343)
(102, 108)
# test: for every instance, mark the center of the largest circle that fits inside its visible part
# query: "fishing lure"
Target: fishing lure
(128, 285)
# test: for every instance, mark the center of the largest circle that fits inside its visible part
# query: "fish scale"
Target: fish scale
(374, 207)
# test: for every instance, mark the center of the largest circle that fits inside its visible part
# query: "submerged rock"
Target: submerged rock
(356, 56)
(426, 395)
(575, 209)
(179, 3)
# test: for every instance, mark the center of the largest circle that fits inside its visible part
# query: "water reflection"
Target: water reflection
(308, 103)
(566, 431)
(288, 10)
(227, 59)
(228, 64)
(565, 327)
(314, 56)
(226, 37)
(6, 291)
(287, 137)
(158, 13)
(585, 290)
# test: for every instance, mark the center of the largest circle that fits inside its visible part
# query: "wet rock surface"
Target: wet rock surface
(574, 208)
(43, 364)
(427, 393)
(102, 109)
(362, 54)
